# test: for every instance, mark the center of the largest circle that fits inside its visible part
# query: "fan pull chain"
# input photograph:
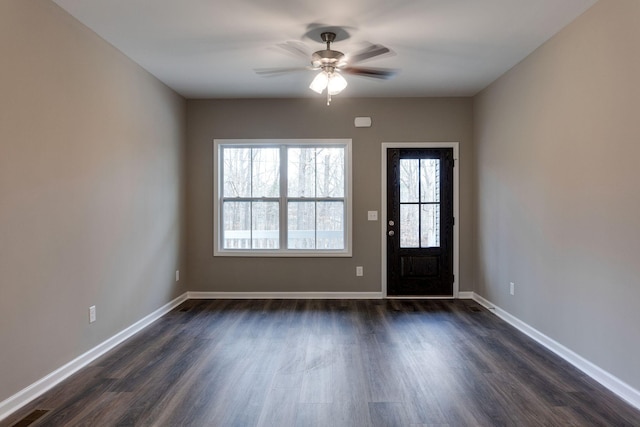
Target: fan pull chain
(328, 97)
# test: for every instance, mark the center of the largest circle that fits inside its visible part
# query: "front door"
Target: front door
(420, 221)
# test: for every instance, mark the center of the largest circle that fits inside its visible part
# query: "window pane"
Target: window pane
(409, 180)
(237, 172)
(301, 220)
(430, 226)
(409, 226)
(301, 171)
(237, 225)
(330, 172)
(430, 180)
(264, 225)
(265, 172)
(330, 225)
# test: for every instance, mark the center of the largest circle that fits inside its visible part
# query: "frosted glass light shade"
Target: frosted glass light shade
(319, 82)
(336, 84)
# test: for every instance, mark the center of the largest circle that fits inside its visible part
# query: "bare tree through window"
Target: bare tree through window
(419, 203)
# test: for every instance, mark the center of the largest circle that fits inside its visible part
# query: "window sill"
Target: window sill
(282, 254)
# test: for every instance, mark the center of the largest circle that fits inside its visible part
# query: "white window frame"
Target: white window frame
(219, 250)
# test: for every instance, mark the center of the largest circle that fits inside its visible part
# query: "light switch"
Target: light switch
(372, 215)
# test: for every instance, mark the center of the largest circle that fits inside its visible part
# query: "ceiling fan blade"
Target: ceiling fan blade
(376, 73)
(297, 49)
(368, 52)
(273, 72)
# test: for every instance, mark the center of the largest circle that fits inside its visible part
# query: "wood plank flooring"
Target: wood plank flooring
(329, 363)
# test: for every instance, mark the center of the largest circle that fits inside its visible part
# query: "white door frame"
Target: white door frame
(456, 209)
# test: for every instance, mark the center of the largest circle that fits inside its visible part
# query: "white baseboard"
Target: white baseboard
(285, 295)
(619, 387)
(28, 394)
(465, 295)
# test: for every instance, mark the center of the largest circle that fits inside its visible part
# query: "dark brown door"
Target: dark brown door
(420, 221)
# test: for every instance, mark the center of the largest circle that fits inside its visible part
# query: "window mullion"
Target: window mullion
(284, 207)
(251, 195)
(315, 196)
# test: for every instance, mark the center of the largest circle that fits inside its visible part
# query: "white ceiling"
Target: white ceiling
(210, 48)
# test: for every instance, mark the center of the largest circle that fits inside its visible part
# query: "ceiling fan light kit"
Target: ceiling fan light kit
(328, 61)
(333, 63)
(330, 80)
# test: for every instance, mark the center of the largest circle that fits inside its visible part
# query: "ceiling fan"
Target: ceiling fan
(332, 64)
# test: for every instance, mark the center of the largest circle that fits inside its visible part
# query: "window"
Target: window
(282, 197)
(419, 203)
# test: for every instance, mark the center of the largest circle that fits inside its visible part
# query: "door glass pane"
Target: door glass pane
(265, 172)
(430, 180)
(430, 226)
(264, 225)
(301, 172)
(330, 225)
(409, 226)
(237, 172)
(301, 222)
(330, 172)
(409, 179)
(237, 225)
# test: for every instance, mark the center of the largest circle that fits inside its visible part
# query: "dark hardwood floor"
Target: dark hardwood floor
(329, 363)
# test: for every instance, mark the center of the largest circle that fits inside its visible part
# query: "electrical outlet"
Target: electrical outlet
(177, 275)
(512, 288)
(359, 271)
(92, 314)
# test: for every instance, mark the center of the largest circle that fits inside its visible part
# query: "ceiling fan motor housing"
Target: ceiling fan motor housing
(328, 59)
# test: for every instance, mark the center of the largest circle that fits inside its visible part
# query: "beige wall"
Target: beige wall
(90, 191)
(558, 199)
(394, 120)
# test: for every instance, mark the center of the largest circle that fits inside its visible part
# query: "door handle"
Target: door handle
(391, 233)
